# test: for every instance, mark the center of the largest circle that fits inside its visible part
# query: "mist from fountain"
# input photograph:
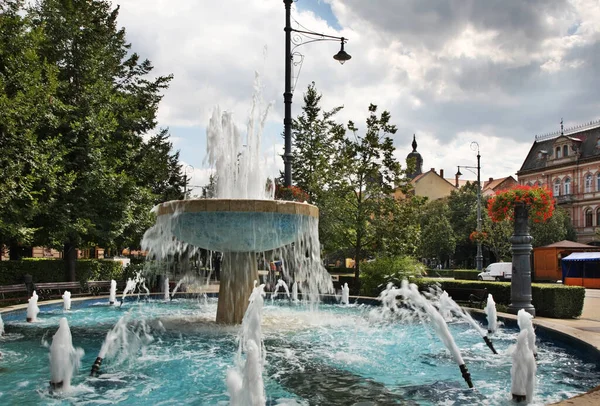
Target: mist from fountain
(491, 314)
(64, 358)
(345, 294)
(32, 308)
(113, 292)
(66, 300)
(524, 322)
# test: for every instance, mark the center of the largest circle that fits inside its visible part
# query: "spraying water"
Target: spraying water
(166, 289)
(523, 368)
(280, 284)
(64, 358)
(32, 308)
(524, 322)
(450, 306)
(66, 300)
(244, 382)
(113, 292)
(295, 292)
(1, 325)
(345, 294)
(490, 311)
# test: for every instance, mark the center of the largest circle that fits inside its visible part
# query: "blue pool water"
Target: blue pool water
(337, 356)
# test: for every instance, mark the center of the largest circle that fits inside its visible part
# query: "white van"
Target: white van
(498, 271)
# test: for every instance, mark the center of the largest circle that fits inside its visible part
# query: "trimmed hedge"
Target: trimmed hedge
(549, 300)
(466, 274)
(440, 273)
(53, 270)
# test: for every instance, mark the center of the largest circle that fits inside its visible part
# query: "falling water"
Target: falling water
(244, 382)
(32, 308)
(523, 368)
(524, 322)
(64, 358)
(490, 311)
(166, 288)
(113, 292)
(1, 325)
(66, 300)
(345, 294)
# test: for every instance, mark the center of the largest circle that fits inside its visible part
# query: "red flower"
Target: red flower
(292, 193)
(538, 199)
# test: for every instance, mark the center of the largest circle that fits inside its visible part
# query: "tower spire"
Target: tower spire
(562, 132)
(414, 143)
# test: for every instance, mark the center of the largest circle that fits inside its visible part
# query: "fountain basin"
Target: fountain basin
(336, 355)
(236, 225)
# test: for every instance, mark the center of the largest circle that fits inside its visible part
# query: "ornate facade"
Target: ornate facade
(568, 162)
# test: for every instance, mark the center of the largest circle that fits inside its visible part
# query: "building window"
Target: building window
(598, 217)
(557, 152)
(567, 186)
(588, 218)
(598, 182)
(565, 150)
(588, 183)
(557, 187)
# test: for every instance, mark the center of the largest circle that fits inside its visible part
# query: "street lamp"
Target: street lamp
(479, 256)
(185, 179)
(304, 37)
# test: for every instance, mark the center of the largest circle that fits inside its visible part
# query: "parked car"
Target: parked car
(498, 271)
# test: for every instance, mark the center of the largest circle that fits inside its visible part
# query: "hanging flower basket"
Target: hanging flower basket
(292, 193)
(478, 236)
(538, 200)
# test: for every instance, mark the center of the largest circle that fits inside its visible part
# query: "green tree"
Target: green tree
(360, 197)
(29, 163)
(109, 103)
(316, 139)
(462, 204)
(437, 235)
(557, 228)
(498, 240)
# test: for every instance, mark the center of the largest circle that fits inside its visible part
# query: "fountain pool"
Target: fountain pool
(177, 354)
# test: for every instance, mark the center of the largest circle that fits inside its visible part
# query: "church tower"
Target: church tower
(414, 161)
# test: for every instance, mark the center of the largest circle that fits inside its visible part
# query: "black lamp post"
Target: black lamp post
(309, 36)
(479, 256)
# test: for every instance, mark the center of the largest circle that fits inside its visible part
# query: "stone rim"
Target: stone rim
(237, 205)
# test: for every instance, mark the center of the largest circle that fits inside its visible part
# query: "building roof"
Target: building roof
(496, 182)
(432, 170)
(568, 244)
(583, 256)
(586, 135)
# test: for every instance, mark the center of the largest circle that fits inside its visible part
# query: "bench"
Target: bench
(99, 287)
(18, 288)
(48, 290)
(468, 295)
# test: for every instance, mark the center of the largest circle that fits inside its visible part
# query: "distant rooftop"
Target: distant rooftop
(568, 131)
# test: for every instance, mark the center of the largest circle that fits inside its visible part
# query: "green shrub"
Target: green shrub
(376, 274)
(54, 270)
(466, 274)
(440, 273)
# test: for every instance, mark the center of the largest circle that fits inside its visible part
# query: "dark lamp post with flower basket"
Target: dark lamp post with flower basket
(518, 204)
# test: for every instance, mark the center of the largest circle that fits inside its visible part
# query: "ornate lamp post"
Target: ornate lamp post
(479, 255)
(303, 37)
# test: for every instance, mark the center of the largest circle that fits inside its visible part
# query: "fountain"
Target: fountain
(492, 317)
(113, 292)
(1, 326)
(345, 294)
(523, 368)
(524, 322)
(32, 308)
(295, 292)
(242, 220)
(280, 284)
(64, 358)
(166, 289)
(66, 300)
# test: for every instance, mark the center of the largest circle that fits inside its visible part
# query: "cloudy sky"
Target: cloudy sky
(497, 72)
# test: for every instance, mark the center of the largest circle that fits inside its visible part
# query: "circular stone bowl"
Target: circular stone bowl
(237, 225)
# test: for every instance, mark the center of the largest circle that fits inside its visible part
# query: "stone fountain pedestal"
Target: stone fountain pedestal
(239, 270)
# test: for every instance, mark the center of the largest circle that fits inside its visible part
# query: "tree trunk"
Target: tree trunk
(70, 258)
(15, 252)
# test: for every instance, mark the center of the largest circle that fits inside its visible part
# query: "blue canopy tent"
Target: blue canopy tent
(581, 269)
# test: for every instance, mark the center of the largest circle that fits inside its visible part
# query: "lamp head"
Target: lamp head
(458, 172)
(342, 56)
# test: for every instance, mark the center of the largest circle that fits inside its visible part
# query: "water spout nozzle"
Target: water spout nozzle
(489, 344)
(466, 375)
(96, 367)
(519, 398)
(56, 385)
